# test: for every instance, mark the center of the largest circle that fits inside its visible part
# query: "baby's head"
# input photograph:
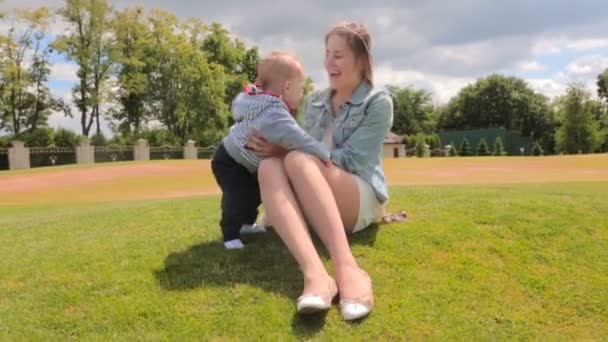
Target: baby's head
(283, 74)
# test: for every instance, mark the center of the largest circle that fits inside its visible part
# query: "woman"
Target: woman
(352, 118)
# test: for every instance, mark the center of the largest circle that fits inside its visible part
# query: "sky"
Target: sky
(439, 46)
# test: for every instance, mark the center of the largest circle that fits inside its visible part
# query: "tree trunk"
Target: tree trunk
(16, 125)
(97, 121)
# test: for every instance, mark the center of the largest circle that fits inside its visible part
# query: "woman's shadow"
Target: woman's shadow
(265, 263)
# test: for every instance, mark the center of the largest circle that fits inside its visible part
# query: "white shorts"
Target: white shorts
(370, 209)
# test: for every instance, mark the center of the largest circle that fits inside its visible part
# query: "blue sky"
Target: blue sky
(437, 45)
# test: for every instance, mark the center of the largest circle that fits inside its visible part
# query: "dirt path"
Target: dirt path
(171, 179)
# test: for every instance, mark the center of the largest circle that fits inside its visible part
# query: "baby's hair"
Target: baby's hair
(278, 67)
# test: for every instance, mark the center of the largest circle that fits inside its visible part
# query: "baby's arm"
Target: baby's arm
(282, 129)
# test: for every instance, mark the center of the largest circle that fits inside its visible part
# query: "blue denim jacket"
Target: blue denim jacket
(362, 123)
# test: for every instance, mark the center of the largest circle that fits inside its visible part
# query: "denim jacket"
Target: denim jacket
(358, 137)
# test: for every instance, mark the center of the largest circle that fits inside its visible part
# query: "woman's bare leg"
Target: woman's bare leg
(329, 198)
(283, 211)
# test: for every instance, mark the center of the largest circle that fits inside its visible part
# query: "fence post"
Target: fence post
(141, 152)
(190, 150)
(18, 156)
(85, 153)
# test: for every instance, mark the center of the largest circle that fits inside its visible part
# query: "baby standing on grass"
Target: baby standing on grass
(267, 106)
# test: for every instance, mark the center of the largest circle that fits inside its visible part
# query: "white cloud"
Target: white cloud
(530, 66)
(441, 87)
(549, 87)
(64, 72)
(545, 46)
(587, 44)
(587, 66)
(59, 120)
(584, 70)
(384, 21)
(558, 44)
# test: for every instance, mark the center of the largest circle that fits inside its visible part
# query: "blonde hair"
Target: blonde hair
(278, 66)
(359, 41)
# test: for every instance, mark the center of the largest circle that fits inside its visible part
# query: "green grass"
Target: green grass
(473, 262)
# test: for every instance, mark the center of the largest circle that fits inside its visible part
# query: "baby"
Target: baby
(267, 106)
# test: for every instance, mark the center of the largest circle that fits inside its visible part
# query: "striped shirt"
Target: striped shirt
(256, 109)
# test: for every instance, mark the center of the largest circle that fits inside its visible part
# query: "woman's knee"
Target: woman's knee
(269, 169)
(295, 160)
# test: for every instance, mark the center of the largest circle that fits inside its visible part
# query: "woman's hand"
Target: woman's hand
(258, 144)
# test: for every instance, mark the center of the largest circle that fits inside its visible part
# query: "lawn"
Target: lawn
(516, 261)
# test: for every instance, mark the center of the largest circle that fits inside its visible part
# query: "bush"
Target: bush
(437, 140)
(123, 140)
(160, 137)
(409, 141)
(537, 150)
(98, 139)
(5, 141)
(465, 148)
(39, 137)
(420, 145)
(65, 138)
(499, 149)
(483, 149)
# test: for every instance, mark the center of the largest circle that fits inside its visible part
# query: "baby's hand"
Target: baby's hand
(328, 163)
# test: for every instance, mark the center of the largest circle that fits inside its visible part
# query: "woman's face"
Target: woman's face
(343, 67)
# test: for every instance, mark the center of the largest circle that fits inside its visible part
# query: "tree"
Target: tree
(186, 91)
(98, 139)
(413, 110)
(580, 130)
(482, 148)
(39, 137)
(25, 99)
(90, 43)
(420, 145)
(239, 63)
(499, 149)
(499, 101)
(465, 148)
(160, 137)
(602, 85)
(309, 87)
(602, 117)
(133, 39)
(65, 138)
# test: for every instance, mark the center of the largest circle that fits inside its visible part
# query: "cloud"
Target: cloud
(438, 45)
(549, 87)
(588, 44)
(530, 66)
(64, 72)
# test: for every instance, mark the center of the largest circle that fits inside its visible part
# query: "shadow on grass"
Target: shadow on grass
(264, 263)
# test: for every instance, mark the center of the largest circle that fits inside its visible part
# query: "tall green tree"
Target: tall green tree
(239, 62)
(133, 44)
(89, 42)
(186, 91)
(413, 111)
(465, 148)
(483, 149)
(25, 99)
(602, 85)
(500, 101)
(579, 130)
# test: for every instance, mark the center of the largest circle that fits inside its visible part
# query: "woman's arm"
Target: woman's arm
(258, 144)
